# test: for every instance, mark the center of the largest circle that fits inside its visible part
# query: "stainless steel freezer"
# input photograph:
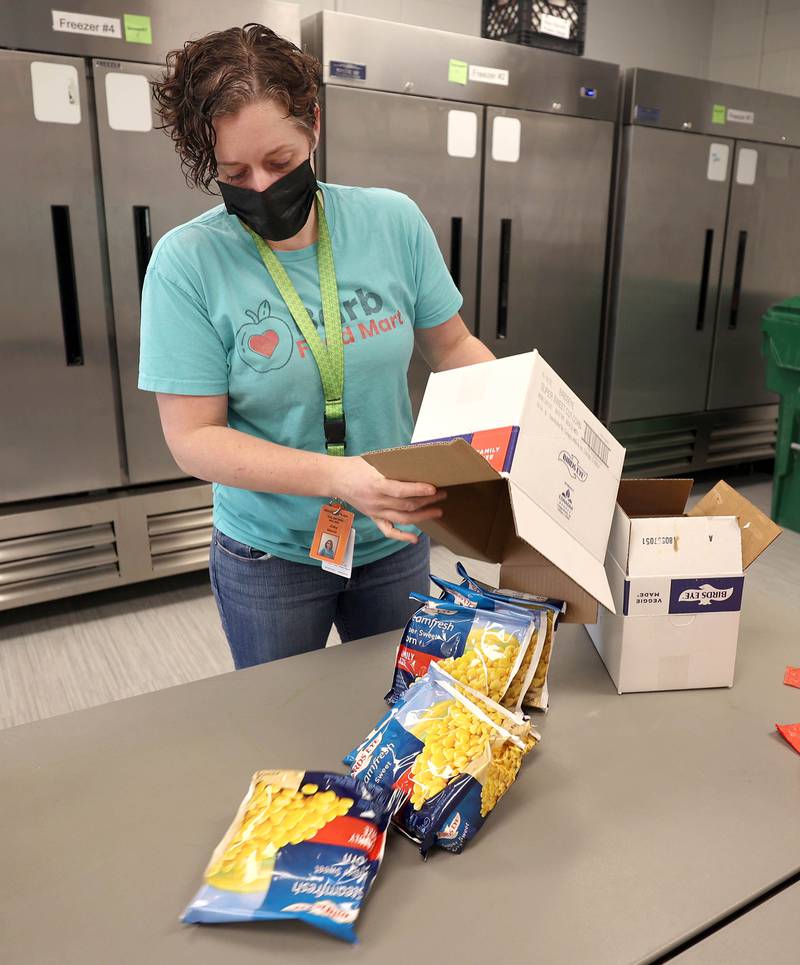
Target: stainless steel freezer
(59, 430)
(706, 241)
(507, 150)
(545, 225)
(89, 495)
(144, 195)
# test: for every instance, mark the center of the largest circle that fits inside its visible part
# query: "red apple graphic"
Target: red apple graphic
(265, 344)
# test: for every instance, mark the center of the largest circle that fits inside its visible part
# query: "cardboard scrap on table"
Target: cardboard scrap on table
(791, 734)
(792, 677)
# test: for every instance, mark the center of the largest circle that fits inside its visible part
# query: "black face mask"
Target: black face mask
(279, 211)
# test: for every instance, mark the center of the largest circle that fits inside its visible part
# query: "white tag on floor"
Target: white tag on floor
(345, 568)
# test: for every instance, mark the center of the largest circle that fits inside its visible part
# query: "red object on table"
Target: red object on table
(792, 676)
(791, 734)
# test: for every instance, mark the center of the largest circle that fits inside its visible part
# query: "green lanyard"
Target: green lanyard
(328, 355)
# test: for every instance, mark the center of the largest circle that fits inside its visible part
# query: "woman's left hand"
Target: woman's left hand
(388, 502)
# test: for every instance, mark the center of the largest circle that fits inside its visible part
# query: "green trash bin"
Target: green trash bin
(781, 349)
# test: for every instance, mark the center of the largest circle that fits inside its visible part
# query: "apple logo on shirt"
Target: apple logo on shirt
(265, 343)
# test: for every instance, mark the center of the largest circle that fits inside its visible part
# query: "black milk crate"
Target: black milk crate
(535, 23)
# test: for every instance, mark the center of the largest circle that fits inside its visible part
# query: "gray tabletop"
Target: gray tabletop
(768, 933)
(637, 821)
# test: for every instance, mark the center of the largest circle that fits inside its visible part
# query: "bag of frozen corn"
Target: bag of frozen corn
(536, 695)
(522, 681)
(514, 597)
(448, 754)
(303, 844)
(483, 649)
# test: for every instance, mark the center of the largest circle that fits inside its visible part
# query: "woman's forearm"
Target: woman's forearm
(467, 351)
(224, 455)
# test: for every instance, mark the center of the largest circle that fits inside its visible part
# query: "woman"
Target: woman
(263, 391)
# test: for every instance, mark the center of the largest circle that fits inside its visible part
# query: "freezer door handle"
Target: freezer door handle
(144, 241)
(701, 304)
(741, 250)
(67, 284)
(502, 282)
(456, 225)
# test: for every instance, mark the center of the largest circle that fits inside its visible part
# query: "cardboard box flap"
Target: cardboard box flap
(684, 546)
(758, 530)
(535, 574)
(472, 515)
(489, 395)
(654, 497)
(545, 535)
(476, 493)
(442, 464)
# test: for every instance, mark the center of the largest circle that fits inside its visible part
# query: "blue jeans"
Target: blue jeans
(272, 608)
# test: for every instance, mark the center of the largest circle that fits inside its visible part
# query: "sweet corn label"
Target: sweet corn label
(480, 648)
(447, 754)
(303, 845)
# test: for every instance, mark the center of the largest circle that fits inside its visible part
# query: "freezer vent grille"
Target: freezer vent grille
(702, 440)
(179, 541)
(658, 452)
(745, 442)
(74, 560)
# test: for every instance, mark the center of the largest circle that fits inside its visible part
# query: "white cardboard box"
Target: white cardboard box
(677, 582)
(540, 499)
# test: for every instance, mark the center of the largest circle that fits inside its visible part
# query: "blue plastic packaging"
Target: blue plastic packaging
(305, 845)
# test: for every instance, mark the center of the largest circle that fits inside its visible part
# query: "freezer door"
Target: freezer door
(762, 255)
(145, 195)
(674, 195)
(545, 218)
(58, 433)
(429, 150)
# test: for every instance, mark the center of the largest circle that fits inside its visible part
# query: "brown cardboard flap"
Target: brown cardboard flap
(467, 526)
(758, 530)
(654, 497)
(538, 575)
(439, 463)
(476, 494)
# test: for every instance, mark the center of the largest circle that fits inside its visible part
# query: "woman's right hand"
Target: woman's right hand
(387, 502)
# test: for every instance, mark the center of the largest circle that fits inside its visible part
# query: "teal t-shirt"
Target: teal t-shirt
(213, 322)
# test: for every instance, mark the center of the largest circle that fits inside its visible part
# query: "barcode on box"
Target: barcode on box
(595, 443)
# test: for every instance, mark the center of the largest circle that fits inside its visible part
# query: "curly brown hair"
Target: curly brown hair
(221, 73)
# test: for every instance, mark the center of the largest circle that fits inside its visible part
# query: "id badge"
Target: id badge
(332, 534)
(346, 568)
